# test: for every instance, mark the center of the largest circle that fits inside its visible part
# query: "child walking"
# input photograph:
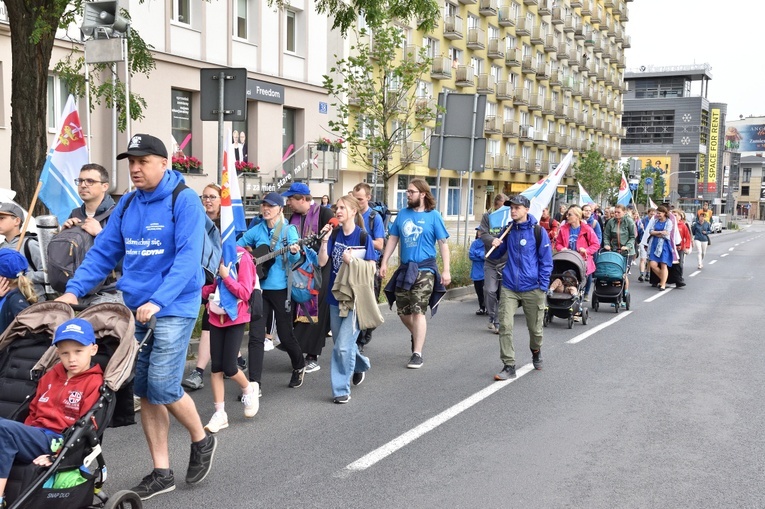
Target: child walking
(477, 256)
(63, 395)
(226, 338)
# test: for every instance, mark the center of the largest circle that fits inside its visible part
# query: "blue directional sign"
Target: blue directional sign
(648, 181)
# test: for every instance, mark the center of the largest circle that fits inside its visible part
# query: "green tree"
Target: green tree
(378, 13)
(658, 186)
(379, 113)
(33, 30)
(595, 174)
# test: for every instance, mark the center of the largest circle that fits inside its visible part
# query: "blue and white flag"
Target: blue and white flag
(584, 197)
(625, 195)
(541, 193)
(65, 158)
(231, 222)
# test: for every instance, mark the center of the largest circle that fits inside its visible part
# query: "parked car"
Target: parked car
(716, 225)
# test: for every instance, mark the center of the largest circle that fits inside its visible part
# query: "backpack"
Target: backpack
(212, 248)
(305, 277)
(66, 251)
(379, 207)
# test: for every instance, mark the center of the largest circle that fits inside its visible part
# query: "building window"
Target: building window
(747, 175)
(744, 190)
(649, 127)
(182, 11)
(241, 17)
(180, 108)
(292, 19)
(58, 93)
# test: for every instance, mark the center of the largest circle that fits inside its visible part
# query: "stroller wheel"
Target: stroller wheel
(546, 318)
(618, 305)
(595, 303)
(571, 322)
(124, 499)
(627, 300)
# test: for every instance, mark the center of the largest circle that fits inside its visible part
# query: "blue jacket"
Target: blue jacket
(258, 236)
(527, 267)
(595, 225)
(476, 255)
(162, 251)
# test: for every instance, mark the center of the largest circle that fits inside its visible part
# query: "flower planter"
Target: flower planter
(322, 148)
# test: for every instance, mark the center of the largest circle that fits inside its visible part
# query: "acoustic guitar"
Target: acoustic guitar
(264, 258)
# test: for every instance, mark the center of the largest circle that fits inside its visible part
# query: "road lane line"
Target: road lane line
(724, 255)
(731, 249)
(695, 273)
(712, 262)
(658, 295)
(599, 328)
(413, 434)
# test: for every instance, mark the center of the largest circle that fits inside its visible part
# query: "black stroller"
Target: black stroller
(28, 335)
(609, 279)
(567, 265)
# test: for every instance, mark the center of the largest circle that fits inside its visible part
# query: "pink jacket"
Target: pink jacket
(241, 288)
(587, 239)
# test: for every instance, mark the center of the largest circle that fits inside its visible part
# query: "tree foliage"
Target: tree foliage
(33, 30)
(595, 174)
(379, 112)
(658, 185)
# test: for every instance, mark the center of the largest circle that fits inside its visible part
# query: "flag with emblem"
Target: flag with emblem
(231, 222)
(625, 196)
(65, 158)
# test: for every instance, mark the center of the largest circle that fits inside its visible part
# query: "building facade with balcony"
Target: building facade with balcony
(553, 74)
(283, 51)
(671, 124)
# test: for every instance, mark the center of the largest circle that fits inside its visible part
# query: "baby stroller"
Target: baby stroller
(609, 278)
(567, 265)
(78, 472)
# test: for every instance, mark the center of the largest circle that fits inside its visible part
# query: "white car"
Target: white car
(716, 225)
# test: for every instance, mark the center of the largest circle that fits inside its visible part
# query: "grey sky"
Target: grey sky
(727, 35)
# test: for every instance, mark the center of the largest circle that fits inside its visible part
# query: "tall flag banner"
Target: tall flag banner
(541, 193)
(625, 196)
(584, 197)
(651, 203)
(65, 158)
(231, 222)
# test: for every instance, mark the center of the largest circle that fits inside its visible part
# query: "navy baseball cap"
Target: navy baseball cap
(144, 145)
(519, 199)
(75, 329)
(274, 199)
(297, 188)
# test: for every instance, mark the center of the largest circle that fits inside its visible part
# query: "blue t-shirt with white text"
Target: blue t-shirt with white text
(418, 233)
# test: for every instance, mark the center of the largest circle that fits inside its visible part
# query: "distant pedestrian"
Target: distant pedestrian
(477, 253)
(619, 237)
(525, 280)
(659, 239)
(417, 283)
(491, 226)
(701, 231)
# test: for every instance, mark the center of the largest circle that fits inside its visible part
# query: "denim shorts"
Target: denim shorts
(160, 365)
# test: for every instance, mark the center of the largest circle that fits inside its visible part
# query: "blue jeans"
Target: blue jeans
(22, 443)
(346, 358)
(160, 365)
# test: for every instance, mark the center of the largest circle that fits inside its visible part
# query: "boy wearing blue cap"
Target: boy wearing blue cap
(63, 395)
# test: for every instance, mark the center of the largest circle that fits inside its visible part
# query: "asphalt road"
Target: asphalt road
(656, 407)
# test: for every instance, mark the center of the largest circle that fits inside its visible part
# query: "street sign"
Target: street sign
(674, 196)
(633, 187)
(234, 94)
(648, 181)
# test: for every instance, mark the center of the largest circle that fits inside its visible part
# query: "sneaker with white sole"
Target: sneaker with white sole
(358, 378)
(415, 362)
(218, 421)
(154, 484)
(312, 365)
(268, 345)
(491, 327)
(194, 381)
(201, 459)
(251, 401)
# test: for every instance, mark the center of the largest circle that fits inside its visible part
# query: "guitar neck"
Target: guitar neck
(279, 252)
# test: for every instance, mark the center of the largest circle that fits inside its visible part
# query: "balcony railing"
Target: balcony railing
(492, 125)
(506, 16)
(540, 136)
(486, 84)
(413, 53)
(545, 7)
(537, 37)
(488, 7)
(522, 26)
(521, 96)
(555, 80)
(412, 151)
(586, 8)
(529, 65)
(543, 70)
(526, 132)
(535, 103)
(504, 91)
(513, 57)
(551, 43)
(627, 42)
(560, 111)
(441, 69)
(557, 16)
(465, 76)
(571, 24)
(510, 129)
(453, 28)
(476, 38)
(548, 107)
(496, 50)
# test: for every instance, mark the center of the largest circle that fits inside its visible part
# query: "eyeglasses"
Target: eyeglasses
(409, 191)
(210, 197)
(87, 182)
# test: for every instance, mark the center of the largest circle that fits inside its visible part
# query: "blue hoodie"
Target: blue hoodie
(527, 267)
(162, 251)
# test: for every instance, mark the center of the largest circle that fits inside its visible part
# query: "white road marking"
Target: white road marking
(731, 249)
(659, 294)
(599, 328)
(694, 273)
(413, 434)
(712, 262)
(724, 255)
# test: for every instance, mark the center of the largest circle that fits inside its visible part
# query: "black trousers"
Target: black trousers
(273, 302)
(224, 348)
(478, 285)
(312, 336)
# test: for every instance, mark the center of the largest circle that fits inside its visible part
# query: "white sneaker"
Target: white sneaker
(218, 421)
(268, 345)
(491, 327)
(250, 401)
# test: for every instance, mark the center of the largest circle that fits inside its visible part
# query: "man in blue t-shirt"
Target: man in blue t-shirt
(419, 227)
(373, 224)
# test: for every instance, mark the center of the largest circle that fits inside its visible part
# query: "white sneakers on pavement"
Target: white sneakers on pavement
(218, 421)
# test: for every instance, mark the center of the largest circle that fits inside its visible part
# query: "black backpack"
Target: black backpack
(66, 251)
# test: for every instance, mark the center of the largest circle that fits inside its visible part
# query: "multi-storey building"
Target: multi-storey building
(284, 52)
(552, 71)
(671, 125)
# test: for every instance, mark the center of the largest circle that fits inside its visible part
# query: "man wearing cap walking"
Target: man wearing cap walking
(161, 241)
(273, 233)
(309, 218)
(11, 220)
(525, 280)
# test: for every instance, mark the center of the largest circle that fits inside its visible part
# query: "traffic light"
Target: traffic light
(698, 174)
(102, 20)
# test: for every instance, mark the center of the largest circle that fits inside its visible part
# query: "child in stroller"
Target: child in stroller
(63, 395)
(565, 295)
(567, 283)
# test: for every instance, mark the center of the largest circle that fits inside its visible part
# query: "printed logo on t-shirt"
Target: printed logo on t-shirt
(411, 232)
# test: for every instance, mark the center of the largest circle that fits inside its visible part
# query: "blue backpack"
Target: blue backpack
(305, 277)
(212, 248)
